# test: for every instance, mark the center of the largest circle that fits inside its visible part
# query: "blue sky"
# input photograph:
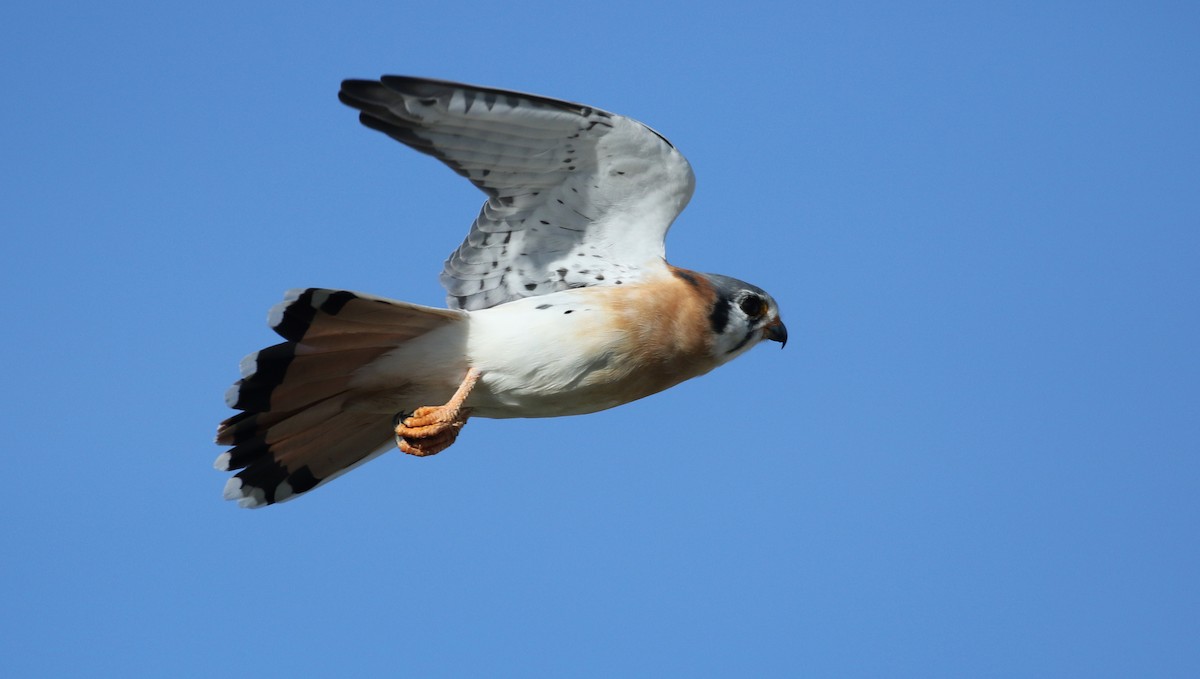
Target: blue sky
(979, 454)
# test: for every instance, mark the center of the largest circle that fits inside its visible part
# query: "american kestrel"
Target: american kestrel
(560, 299)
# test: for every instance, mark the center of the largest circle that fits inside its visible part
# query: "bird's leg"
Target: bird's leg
(431, 429)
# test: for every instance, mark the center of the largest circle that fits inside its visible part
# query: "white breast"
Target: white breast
(536, 355)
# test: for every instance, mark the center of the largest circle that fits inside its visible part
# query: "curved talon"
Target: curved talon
(398, 422)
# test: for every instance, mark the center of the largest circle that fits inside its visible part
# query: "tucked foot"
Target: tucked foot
(424, 441)
(431, 429)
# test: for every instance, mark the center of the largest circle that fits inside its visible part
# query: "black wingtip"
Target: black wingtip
(356, 92)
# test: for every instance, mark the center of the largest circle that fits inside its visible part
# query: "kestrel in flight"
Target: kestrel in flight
(560, 299)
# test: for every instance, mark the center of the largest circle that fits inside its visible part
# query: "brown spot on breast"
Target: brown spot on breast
(665, 336)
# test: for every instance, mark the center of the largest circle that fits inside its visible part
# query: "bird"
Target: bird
(560, 300)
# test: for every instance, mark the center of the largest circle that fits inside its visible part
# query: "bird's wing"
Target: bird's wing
(576, 196)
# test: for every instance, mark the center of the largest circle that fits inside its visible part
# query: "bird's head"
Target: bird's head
(741, 316)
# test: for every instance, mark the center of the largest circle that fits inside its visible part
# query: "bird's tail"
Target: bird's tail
(297, 429)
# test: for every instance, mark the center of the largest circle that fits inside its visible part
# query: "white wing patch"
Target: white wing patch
(576, 196)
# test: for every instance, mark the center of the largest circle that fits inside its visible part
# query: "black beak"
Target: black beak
(776, 331)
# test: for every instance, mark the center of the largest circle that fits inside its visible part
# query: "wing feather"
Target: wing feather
(577, 196)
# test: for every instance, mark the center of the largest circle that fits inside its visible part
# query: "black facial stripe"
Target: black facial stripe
(719, 318)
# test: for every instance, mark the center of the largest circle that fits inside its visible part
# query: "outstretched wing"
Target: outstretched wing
(576, 196)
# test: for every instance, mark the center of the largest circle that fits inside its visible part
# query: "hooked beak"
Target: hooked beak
(776, 331)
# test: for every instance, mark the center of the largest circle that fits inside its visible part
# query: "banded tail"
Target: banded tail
(302, 423)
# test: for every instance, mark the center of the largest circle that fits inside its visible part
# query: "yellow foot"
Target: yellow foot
(432, 429)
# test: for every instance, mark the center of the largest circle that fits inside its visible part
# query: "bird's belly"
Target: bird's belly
(552, 388)
(559, 354)
(553, 391)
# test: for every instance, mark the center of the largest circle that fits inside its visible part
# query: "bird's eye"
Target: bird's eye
(752, 306)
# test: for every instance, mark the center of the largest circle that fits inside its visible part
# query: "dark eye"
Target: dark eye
(752, 305)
